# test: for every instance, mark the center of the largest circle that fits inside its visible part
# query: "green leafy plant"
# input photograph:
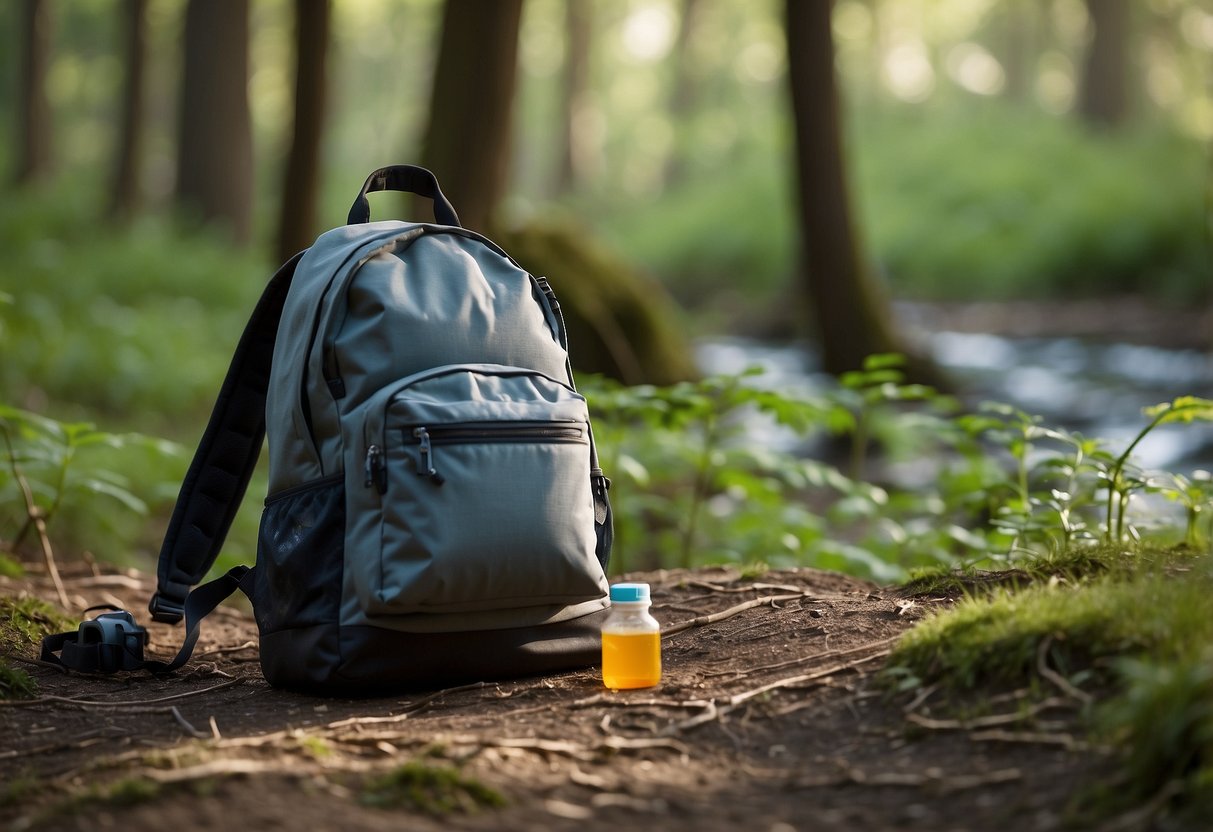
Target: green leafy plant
(1122, 478)
(1195, 494)
(1162, 726)
(52, 468)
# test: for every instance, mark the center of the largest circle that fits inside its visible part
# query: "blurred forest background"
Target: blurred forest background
(712, 183)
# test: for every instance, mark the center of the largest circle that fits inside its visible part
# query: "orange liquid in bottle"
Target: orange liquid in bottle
(631, 660)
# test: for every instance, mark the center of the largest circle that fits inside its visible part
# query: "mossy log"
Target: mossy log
(621, 323)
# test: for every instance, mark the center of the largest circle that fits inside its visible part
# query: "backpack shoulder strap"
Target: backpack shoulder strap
(217, 478)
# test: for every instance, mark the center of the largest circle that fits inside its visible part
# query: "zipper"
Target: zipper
(426, 437)
(426, 466)
(375, 469)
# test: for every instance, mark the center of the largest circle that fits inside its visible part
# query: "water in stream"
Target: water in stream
(1097, 389)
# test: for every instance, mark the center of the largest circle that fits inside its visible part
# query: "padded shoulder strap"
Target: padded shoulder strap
(219, 474)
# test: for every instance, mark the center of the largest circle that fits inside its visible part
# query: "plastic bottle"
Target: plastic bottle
(631, 640)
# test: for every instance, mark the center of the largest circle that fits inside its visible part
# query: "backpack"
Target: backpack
(436, 512)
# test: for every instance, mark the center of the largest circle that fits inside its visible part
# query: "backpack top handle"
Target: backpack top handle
(408, 178)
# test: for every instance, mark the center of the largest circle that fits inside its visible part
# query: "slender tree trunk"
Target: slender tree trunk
(297, 222)
(467, 142)
(215, 150)
(684, 94)
(852, 317)
(1018, 54)
(124, 193)
(35, 132)
(578, 25)
(1103, 97)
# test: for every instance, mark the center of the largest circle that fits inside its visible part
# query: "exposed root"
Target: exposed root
(764, 601)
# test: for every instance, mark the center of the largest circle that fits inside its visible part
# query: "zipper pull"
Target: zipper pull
(426, 466)
(376, 469)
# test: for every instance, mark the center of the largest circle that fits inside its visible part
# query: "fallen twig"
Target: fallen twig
(828, 654)
(409, 709)
(185, 723)
(124, 703)
(932, 778)
(991, 721)
(714, 711)
(1066, 741)
(713, 618)
(218, 651)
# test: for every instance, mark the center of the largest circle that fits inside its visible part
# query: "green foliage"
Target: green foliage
(1131, 627)
(1123, 481)
(1163, 728)
(980, 203)
(995, 639)
(23, 624)
(25, 621)
(10, 568)
(1006, 204)
(140, 323)
(692, 487)
(143, 338)
(16, 684)
(434, 789)
(74, 469)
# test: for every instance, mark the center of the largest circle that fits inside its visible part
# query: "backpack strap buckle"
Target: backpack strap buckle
(110, 642)
(166, 610)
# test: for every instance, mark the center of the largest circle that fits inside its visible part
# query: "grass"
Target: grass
(1070, 565)
(23, 624)
(433, 789)
(1131, 628)
(25, 621)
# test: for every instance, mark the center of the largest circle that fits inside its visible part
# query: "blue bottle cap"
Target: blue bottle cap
(630, 593)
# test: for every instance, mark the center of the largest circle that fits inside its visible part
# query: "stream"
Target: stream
(1092, 387)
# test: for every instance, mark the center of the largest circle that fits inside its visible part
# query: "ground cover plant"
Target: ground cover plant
(1120, 634)
(965, 204)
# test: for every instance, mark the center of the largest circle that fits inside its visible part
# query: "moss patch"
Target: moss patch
(995, 639)
(433, 789)
(23, 624)
(1075, 564)
(25, 621)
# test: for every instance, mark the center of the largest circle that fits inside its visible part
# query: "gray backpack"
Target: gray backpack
(436, 511)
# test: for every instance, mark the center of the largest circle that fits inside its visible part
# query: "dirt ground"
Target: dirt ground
(768, 718)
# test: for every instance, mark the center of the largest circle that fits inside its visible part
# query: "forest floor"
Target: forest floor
(770, 716)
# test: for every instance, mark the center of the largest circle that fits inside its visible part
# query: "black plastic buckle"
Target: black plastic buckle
(106, 644)
(166, 610)
(114, 628)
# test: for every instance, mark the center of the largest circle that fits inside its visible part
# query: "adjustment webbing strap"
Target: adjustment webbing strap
(89, 658)
(217, 478)
(67, 650)
(198, 605)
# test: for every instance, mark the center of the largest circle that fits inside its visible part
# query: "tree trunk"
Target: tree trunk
(215, 150)
(1103, 97)
(684, 94)
(124, 193)
(578, 24)
(852, 317)
(1018, 53)
(34, 123)
(297, 221)
(467, 142)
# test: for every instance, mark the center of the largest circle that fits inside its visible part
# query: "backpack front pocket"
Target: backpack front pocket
(482, 479)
